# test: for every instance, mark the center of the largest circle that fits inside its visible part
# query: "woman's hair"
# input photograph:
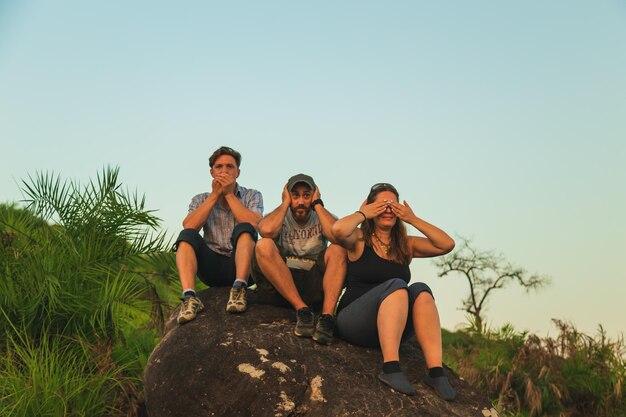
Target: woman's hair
(399, 249)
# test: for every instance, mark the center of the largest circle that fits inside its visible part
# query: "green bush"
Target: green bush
(570, 375)
(84, 280)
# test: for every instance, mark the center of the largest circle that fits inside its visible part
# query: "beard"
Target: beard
(300, 212)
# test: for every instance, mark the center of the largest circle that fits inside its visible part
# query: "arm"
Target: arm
(198, 216)
(326, 218)
(270, 225)
(346, 231)
(437, 242)
(241, 213)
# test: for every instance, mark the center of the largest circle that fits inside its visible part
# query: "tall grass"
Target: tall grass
(568, 376)
(80, 266)
(55, 378)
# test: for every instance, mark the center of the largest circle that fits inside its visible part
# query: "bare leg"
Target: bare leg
(275, 270)
(334, 277)
(391, 321)
(243, 256)
(187, 265)
(428, 329)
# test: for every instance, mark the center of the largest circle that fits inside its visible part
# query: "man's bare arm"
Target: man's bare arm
(270, 225)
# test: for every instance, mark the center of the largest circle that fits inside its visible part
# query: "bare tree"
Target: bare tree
(485, 272)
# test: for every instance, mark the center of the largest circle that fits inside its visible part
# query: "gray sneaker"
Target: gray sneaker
(190, 307)
(305, 322)
(237, 301)
(324, 329)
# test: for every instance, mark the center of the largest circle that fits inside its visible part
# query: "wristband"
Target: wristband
(316, 202)
(362, 214)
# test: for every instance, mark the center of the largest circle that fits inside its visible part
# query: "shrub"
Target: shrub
(80, 266)
(570, 375)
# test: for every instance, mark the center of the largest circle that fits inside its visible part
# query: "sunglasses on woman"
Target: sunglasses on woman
(384, 185)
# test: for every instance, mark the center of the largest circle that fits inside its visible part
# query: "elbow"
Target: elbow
(334, 230)
(264, 231)
(188, 225)
(448, 246)
(337, 233)
(256, 221)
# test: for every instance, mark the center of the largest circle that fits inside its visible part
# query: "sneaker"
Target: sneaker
(189, 309)
(237, 301)
(324, 329)
(397, 381)
(305, 322)
(442, 387)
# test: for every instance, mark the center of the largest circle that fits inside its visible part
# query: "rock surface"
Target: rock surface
(253, 365)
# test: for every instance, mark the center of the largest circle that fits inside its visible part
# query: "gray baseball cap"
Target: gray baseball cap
(301, 178)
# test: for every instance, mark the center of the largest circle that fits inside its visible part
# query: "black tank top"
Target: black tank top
(369, 271)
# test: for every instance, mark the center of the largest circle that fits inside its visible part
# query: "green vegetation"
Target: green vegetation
(571, 375)
(83, 290)
(86, 284)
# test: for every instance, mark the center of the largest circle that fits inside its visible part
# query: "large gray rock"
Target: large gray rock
(253, 365)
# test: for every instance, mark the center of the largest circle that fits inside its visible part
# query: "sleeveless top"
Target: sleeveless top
(369, 271)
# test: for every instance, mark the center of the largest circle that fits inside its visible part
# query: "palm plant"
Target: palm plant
(78, 264)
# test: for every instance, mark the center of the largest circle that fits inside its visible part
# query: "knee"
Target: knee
(424, 300)
(395, 284)
(188, 232)
(245, 238)
(188, 235)
(399, 295)
(395, 290)
(395, 302)
(188, 238)
(420, 289)
(402, 294)
(183, 247)
(265, 248)
(244, 232)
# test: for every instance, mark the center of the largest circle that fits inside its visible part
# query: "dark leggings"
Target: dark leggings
(214, 269)
(357, 322)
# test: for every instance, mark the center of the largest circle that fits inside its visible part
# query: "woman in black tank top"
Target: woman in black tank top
(379, 308)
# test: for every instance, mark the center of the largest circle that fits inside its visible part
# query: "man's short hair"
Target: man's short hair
(225, 150)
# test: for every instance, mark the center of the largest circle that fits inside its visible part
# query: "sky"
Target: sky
(503, 122)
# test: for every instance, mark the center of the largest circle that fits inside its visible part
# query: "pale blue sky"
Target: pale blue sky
(501, 121)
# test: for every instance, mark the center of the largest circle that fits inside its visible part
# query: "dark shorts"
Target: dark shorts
(214, 269)
(308, 284)
(357, 322)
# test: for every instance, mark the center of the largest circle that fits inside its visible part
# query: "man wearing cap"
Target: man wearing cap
(222, 257)
(293, 265)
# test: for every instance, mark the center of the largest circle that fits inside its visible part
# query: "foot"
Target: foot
(190, 307)
(237, 301)
(397, 381)
(324, 329)
(442, 387)
(305, 322)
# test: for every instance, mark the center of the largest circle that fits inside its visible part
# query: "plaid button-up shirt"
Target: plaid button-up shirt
(218, 228)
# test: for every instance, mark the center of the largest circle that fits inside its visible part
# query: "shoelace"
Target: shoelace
(187, 302)
(238, 294)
